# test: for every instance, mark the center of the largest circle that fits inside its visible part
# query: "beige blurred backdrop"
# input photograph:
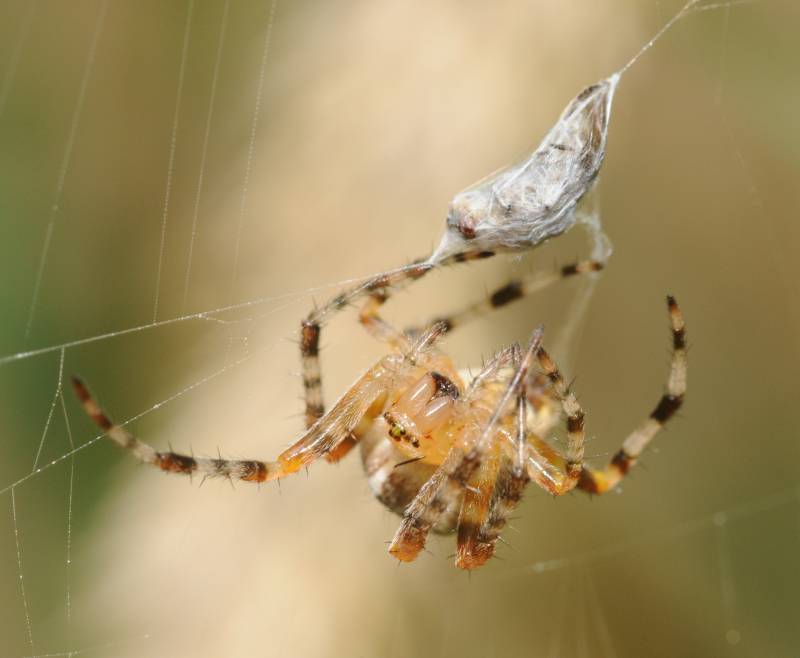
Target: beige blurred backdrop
(372, 115)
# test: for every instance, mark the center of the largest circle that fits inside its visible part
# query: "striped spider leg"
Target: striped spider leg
(359, 406)
(559, 474)
(598, 481)
(510, 292)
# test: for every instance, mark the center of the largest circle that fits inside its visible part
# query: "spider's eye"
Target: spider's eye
(397, 431)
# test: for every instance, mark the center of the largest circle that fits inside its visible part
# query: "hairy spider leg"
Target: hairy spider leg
(382, 286)
(383, 331)
(360, 402)
(509, 484)
(472, 550)
(489, 407)
(598, 481)
(512, 291)
(551, 471)
(481, 525)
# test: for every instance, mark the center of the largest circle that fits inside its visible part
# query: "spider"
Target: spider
(444, 454)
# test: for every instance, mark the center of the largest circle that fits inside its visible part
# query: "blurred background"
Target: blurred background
(158, 163)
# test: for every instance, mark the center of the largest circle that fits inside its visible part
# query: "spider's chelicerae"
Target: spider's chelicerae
(445, 454)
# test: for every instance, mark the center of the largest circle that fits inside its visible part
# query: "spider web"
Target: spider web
(180, 183)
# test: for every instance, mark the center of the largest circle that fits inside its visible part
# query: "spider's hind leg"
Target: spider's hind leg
(598, 481)
(553, 472)
(510, 292)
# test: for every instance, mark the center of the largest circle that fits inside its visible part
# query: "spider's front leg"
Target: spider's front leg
(317, 441)
(362, 401)
(493, 494)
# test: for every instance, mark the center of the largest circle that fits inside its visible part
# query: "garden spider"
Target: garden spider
(444, 455)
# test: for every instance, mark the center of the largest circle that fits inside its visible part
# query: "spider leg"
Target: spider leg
(173, 462)
(547, 467)
(544, 409)
(598, 481)
(492, 498)
(380, 329)
(472, 547)
(466, 453)
(360, 401)
(384, 284)
(376, 326)
(511, 292)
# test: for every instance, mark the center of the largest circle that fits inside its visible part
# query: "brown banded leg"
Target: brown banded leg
(480, 525)
(598, 481)
(382, 285)
(490, 408)
(172, 462)
(472, 548)
(361, 399)
(508, 488)
(315, 443)
(550, 470)
(513, 291)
